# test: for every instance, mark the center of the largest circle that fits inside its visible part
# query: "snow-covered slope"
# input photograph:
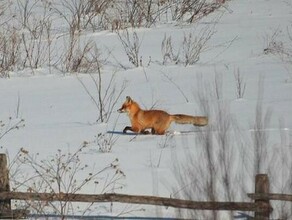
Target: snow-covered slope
(59, 113)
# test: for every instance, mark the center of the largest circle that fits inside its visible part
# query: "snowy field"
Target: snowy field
(242, 81)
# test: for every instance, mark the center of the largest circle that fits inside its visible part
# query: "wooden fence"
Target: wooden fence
(260, 205)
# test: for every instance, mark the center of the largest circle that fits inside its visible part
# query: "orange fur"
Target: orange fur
(156, 120)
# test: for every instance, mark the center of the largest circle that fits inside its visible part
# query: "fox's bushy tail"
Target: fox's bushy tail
(188, 119)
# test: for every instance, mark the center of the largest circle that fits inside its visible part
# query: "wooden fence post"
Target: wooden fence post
(262, 186)
(5, 205)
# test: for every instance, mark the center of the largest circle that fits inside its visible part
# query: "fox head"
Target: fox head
(126, 105)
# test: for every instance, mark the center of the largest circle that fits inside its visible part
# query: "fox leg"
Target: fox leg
(145, 132)
(157, 131)
(160, 132)
(128, 128)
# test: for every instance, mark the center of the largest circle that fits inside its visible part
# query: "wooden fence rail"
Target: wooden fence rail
(270, 196)
(135, 199)
(260, 206)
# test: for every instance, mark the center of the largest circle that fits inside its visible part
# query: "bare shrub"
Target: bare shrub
(35, 51)
(10, 125)
(85, 59)
(73, 12)
(131, 45)
(62, 173)
(104, 14)
(110, 14)
(26, 10)
(143, 13)
(177, 86)
(83, 15)
(49, 39)
(226, 160)
(115, 15)
(96, 12)
(154, 11)
(281, 164)
(104, 97)
(135, 12)
(9, 52)
(212, 172)
(105, 142)
(280, 48)
(194, 44)
(191, 10)
(240, 84)
(167, 50)
(3, 7)
(209, 174)
(197, 178)
(271, 158)
(260, 134)
(79, 57)
(36, 37)
(165, 142)
(272, 43)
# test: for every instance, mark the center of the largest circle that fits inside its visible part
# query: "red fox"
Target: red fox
(157, 121)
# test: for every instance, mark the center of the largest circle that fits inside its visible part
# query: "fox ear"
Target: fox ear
(128, 99)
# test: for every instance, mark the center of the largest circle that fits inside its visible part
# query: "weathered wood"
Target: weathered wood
(14, 214)
(5, 204)
(261, 206)
(270, 196)
(262, 186)
(134, 199)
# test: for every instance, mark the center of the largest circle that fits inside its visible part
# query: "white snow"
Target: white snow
(59, 114)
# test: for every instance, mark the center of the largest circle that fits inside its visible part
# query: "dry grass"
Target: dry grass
(226, 159)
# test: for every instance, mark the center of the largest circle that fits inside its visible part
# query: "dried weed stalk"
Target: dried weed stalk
(10, 125)
(9, 52)
(105, 96)
(65, 172)
(240, 84)
(131, 45)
